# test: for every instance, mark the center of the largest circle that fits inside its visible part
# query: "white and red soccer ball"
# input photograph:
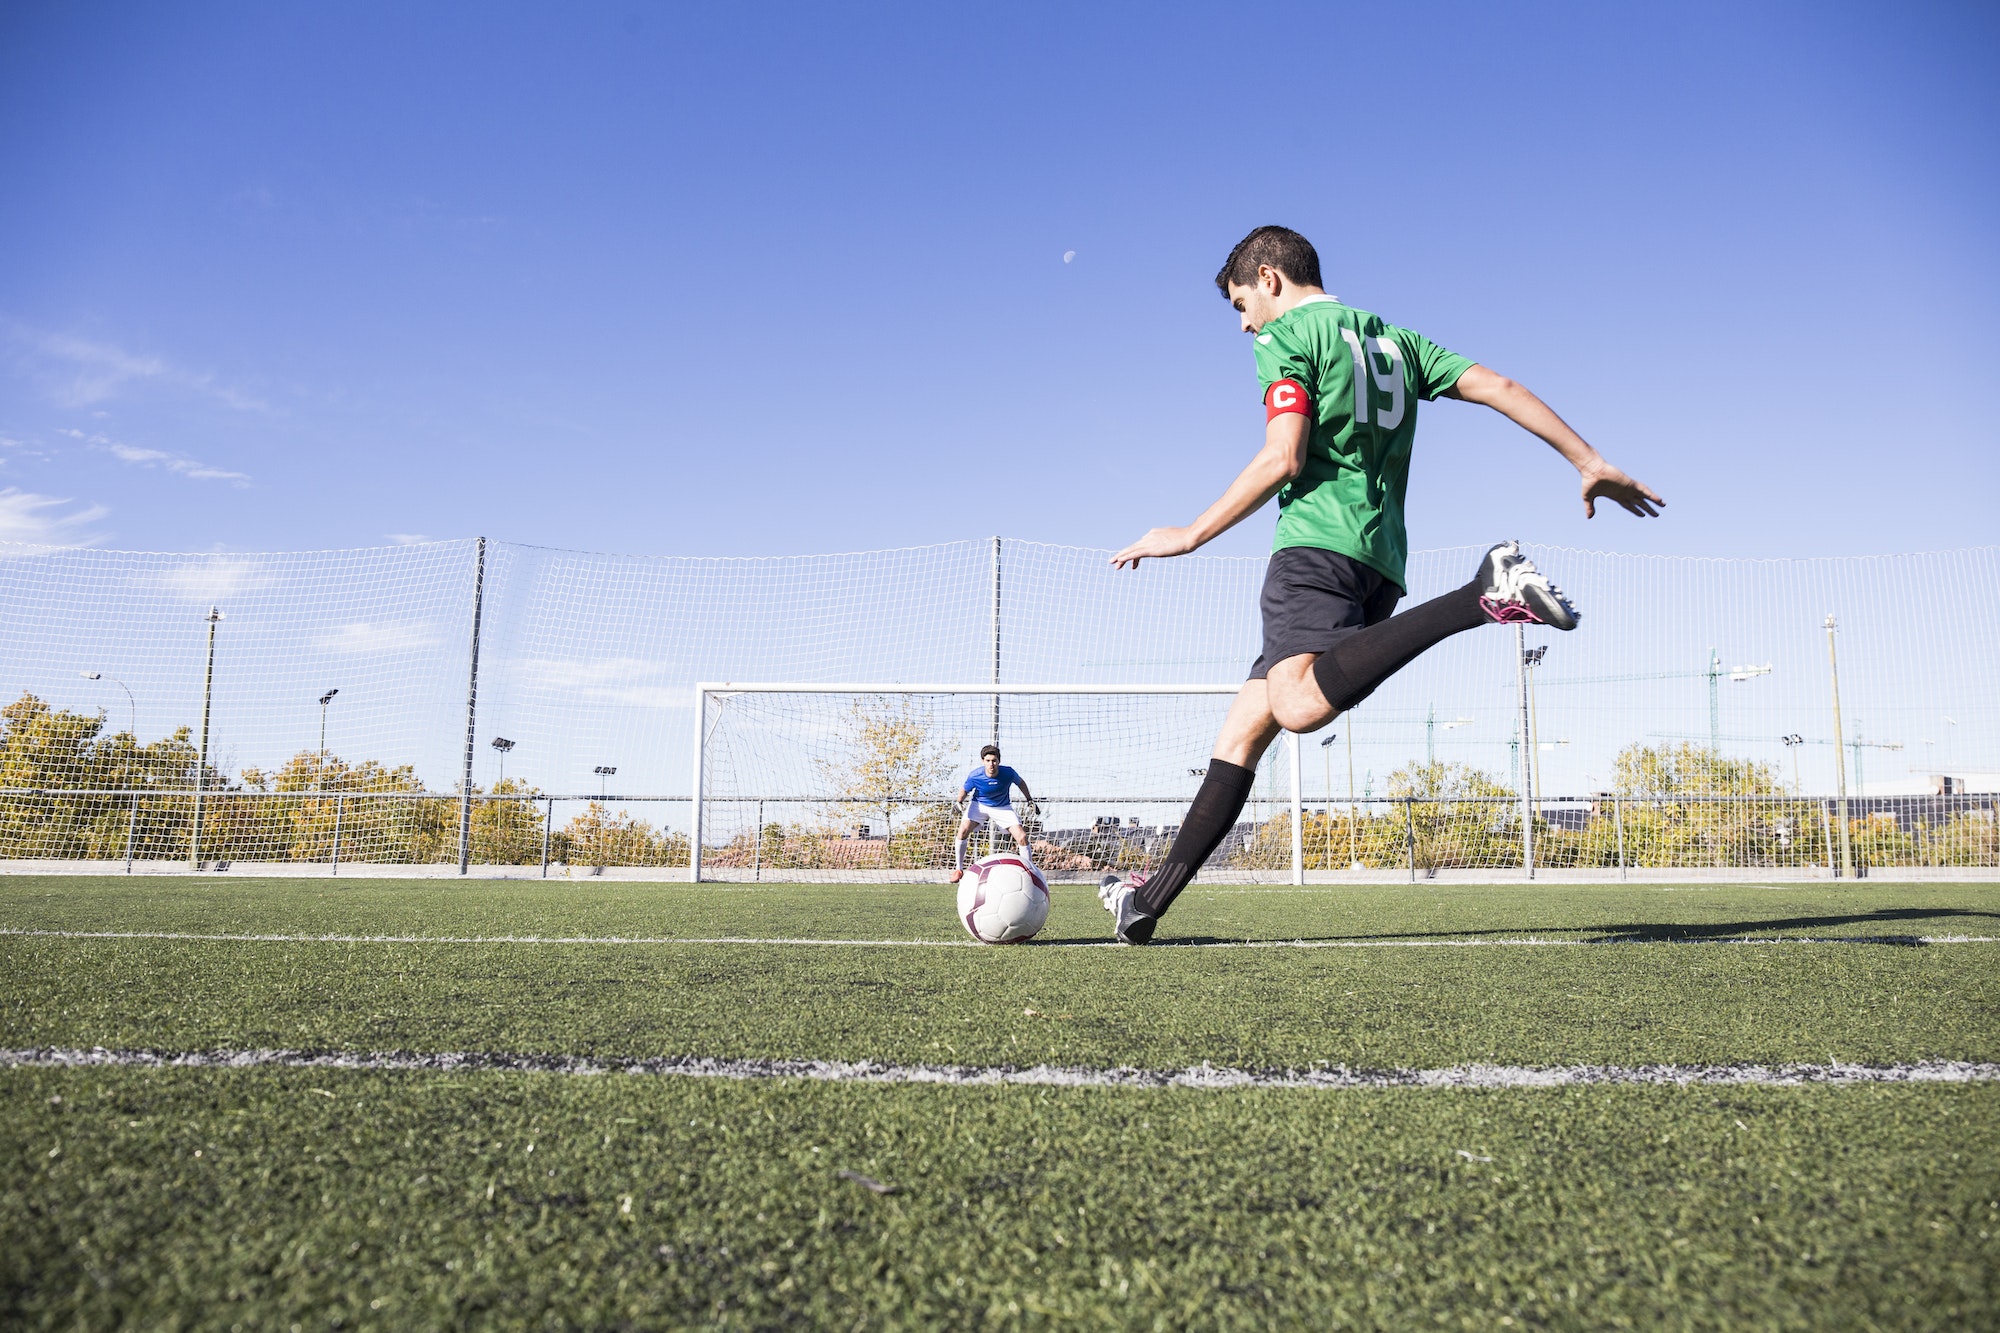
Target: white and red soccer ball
(1002, 900)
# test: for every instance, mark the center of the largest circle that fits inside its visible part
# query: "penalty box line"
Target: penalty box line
(1204, 1076)
(1524, 942)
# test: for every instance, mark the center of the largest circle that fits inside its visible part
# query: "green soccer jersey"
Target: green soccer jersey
(1365, 378)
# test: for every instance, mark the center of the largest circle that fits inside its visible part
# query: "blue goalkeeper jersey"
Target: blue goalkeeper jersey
(994, 791)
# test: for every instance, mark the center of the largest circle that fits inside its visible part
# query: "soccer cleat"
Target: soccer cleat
(956, 875)
(1131, 925)
(1513, 591)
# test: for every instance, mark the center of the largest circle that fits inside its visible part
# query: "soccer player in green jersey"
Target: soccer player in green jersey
(1341, 388)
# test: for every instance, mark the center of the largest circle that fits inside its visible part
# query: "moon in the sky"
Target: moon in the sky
(1068, 255)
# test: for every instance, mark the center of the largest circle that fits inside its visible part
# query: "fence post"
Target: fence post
(1618, 816)
(694, 823)
(757, 846)
(548, 822)
(339, 808)
(1410, 833)
(131, 830)
(996, 660)
(471, 709)
(1298, 819)
(1826, 823)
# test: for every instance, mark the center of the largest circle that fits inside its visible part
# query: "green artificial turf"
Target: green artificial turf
(1154, 1007)
(327, 1198)
(322, 1199)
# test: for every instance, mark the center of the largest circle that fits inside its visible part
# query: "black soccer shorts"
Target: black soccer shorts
(1313, 599)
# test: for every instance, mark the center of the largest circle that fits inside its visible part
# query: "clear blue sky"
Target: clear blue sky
(768, 279)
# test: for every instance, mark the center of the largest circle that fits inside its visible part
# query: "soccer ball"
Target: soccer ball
(1003, 900)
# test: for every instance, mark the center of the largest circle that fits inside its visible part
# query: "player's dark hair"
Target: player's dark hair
(1280, 247)
(985, 750)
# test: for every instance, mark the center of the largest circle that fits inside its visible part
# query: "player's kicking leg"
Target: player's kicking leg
(1310, 690)
(1307, 690)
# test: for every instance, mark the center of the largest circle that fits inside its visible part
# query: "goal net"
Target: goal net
(842, 781)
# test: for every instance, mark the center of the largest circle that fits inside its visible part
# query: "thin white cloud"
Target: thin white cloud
(215, 578)
(193, 469)
(408, 538)
(364, 637)
(45, 520)
(80, 371)
(617, 680)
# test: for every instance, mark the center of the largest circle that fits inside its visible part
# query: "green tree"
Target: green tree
(888, 759)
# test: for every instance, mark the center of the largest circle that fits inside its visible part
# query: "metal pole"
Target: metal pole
(996, 638)
(1353, 811)
(548, 821)
(757, 846)
(700, 739)
(1298, 819)
(471, 708)
(201, 759)
(1714, 703)
(1534, 728)
(1527, 769)
(1410, 833)
(1618, 815)
(131, 830)
(339, 809)
(1826, 823)
(1846, 869)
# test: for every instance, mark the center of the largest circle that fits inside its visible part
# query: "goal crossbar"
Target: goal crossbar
(704, 689)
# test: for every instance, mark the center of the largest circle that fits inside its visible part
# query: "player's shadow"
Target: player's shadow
(1649, 932)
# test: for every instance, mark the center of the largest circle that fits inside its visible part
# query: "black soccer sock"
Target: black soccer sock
(1208, 821)
(1350, 671)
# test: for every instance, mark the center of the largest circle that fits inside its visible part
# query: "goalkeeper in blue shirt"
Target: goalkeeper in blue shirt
(987, 794)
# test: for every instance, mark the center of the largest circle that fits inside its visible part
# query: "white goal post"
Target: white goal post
(814, 746)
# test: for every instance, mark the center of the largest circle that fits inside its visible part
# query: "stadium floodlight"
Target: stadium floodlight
(324, 700)
(503, 745)
(134, 703)
(603, 771)
(1792, 743)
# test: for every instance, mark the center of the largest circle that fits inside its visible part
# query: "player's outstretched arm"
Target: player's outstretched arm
(1601, 481)
(1281, 458)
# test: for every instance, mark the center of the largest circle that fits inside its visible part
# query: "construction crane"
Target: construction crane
(1713, 673)
(1855, 746)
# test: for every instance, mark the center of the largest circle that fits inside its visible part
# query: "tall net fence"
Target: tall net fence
(341, 700)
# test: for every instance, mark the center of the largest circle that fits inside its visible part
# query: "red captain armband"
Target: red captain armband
(1287, 396)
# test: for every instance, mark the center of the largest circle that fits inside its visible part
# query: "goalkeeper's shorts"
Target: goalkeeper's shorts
(1003, 815)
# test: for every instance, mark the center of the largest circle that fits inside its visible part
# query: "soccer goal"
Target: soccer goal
(858, 782)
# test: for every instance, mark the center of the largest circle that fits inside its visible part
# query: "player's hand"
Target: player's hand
(1601, 481)
(1160, 542)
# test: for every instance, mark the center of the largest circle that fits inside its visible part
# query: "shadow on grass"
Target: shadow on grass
(1673, 932)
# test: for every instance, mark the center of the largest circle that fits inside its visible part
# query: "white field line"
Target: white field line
(1203, 1076)
(655, 940)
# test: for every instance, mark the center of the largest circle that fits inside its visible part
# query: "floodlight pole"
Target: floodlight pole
(201, 757)
(1298, 817)
(471, 709)
(1846, 870)
(131, 819)
(1714, 704)
(1353, 811)
(1527, 765)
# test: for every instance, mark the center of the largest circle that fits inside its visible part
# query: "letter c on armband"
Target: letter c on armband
(1286, 396)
